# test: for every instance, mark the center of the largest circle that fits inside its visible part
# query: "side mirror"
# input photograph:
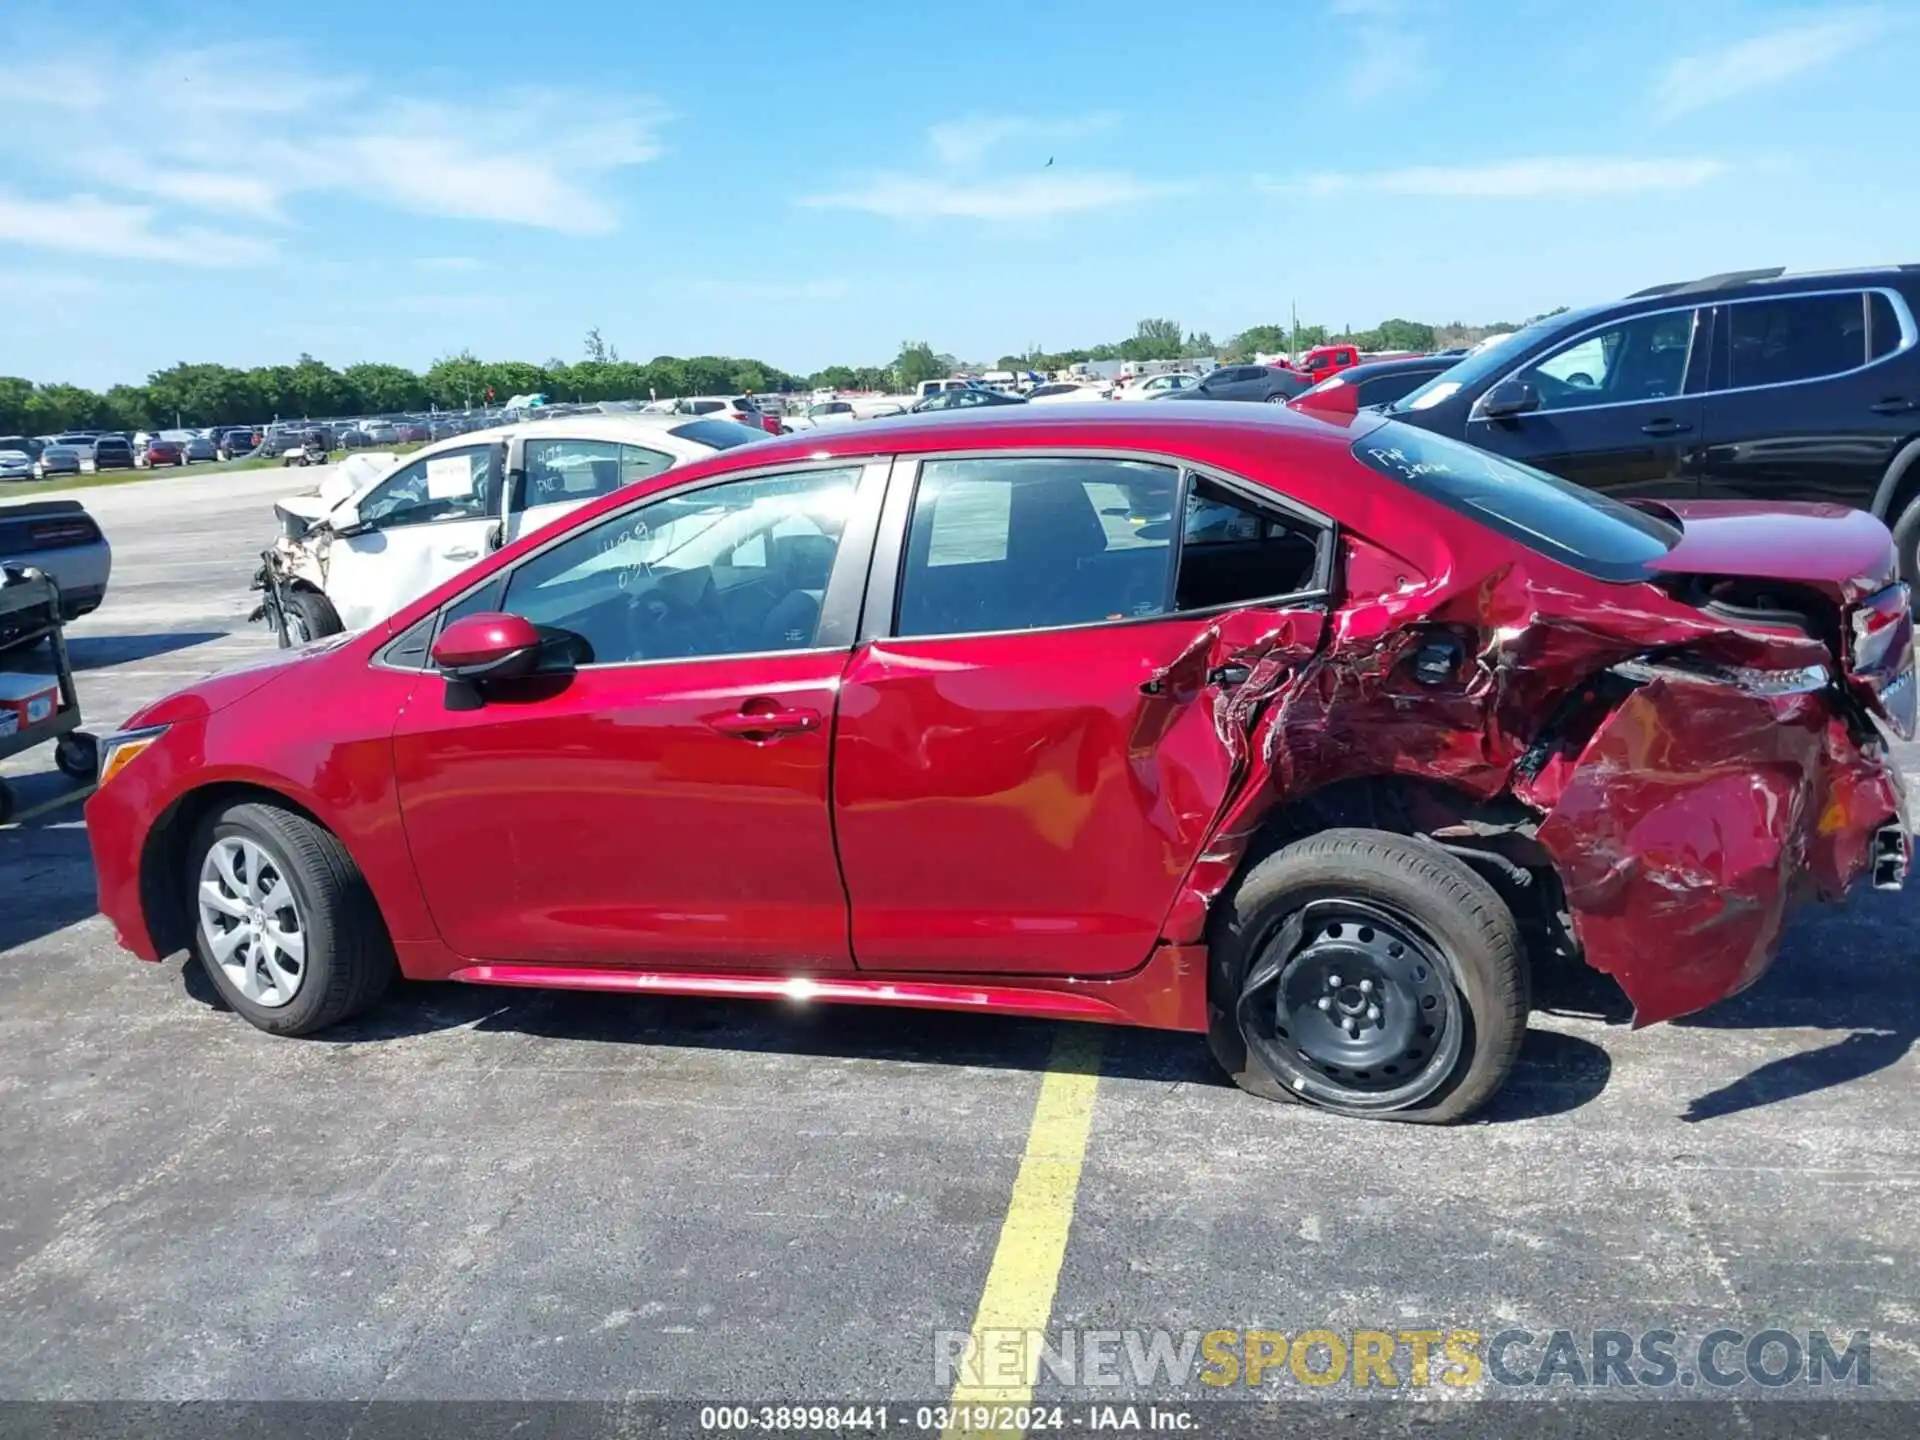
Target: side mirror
(1507, 399)
(488, 646)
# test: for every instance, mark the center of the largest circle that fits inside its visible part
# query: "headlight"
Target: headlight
(119, 750)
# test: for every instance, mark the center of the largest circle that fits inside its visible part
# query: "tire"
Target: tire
(1906, 542)
(346, 961)
(1278, 399)
(77, 756)
(1439, 1030)
(310, 615)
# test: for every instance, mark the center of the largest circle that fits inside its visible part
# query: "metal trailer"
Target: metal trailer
(29, 619)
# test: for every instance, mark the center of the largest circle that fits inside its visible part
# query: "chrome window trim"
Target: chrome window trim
(879, 622)
(1909, 335)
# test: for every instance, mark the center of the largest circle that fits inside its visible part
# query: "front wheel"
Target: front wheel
(310, 615)
(284, 923)
(1369, 974)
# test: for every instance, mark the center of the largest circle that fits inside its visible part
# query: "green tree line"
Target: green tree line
(199, 395)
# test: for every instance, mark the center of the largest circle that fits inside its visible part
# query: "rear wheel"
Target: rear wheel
(1369, 974)
(310, 615)
(284, 923)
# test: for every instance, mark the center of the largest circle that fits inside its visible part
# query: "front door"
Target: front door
(423, 524)
(1029, 754)
(664, 805)
(1619, 412)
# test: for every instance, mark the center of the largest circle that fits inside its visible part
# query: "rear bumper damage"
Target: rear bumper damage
(1694, 819)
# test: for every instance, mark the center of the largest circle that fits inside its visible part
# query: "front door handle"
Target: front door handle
(766, 724)
(463, 552)
(1664, 427)
(1892, 405)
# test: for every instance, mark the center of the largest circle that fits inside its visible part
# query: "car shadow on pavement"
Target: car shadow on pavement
(91, 652)
(1555, 1073)
(46, 878)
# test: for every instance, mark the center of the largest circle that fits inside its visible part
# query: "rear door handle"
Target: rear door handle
(1892, 405)
(766, 724)
(1664, 427)
(463, 553)
(1229, 674)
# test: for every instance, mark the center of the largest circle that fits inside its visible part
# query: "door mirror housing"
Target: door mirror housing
(488, 646)
(1507, 399)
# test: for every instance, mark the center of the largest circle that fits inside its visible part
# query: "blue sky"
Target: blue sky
(814, 183)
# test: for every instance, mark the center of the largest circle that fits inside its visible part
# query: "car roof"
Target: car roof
(1367, 369)
(1124, 425)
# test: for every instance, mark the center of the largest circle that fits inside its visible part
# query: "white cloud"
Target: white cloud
(88, 225)
(1695, 82)
(1539, 176)
(967, 142)
(960, 187)
(1392, 58)
(1024, 197)
(238, 131)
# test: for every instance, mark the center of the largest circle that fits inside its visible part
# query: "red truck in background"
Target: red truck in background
(1324, 360)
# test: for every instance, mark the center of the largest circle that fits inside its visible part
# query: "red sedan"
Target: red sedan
(1294, 731)
(165, 452)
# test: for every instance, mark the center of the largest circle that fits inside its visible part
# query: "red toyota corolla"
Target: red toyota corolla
(1298, 732)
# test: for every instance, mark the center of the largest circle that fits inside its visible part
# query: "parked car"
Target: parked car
(199, 447)
(1324, 360)
(17, 465)
(60, 460)
(381, 432)
(112, 452)
(1376, 383)
(824, 412)
(1757, 386)
(1301, 735)
(414, 432)
(1151, 387)
(60, 539)
(741, 409)
(161, 451)
(952, 382)
(25, 444)
(1068, 392)
(238, 442)
(400, 525)
(1273, 384)
(968, 398)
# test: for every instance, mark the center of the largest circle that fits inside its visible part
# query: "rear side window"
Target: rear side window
(1798, 337)
(1589, 532)
(1022, 544)
(1883, 327)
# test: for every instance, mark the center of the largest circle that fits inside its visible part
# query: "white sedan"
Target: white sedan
(1066, 392)
(384, 529)
(1152, 387)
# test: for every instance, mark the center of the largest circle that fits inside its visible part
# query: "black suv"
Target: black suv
(1757, 385)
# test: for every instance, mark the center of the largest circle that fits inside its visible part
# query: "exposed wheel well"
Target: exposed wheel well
(163, 858)
(1497, 838)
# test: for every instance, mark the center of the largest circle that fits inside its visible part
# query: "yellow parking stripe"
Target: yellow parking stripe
(1002, 1352)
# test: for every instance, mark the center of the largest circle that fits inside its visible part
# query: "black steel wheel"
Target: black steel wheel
(1369, 974)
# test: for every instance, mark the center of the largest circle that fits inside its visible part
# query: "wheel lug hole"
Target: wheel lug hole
(1333, 982)
(1366, 987)
(1325, 1002)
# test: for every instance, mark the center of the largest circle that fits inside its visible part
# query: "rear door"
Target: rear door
(423, 524)
(1811, 397)
(1028, 751)
(552, 476)
(1620, 408)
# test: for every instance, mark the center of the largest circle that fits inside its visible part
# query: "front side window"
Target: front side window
(1644, 358)
(456, 485)
(730, 569)
(1024, 543)
(1574, 526)
(1797, 337)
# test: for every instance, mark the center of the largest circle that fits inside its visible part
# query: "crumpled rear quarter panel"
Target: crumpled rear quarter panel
(1694, 817)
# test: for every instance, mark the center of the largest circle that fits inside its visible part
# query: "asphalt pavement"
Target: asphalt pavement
(504, 1195)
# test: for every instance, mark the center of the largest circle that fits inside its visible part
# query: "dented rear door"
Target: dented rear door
(1027, 800)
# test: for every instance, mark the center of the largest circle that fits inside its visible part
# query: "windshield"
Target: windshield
(1474, 368)
(1602, 537)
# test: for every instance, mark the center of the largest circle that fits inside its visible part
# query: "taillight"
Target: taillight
(61, 532)
(1881, 658)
